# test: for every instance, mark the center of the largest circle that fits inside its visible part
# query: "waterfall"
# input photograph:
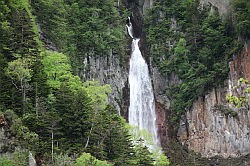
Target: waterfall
(142, 105)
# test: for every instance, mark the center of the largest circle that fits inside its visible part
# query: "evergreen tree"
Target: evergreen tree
(143, 156)
(74, 110)
(118, 144)
(242, 17)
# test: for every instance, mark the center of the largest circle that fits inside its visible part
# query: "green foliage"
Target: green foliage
(20, 74)
(5, 162)
(237, 102)
(62, 160)
(108, 137)
(26, 138)
(143, 156)
(227, 111)
(61, 115)
(97, 93)
(242, 98)
(19, 71)
(142, 140)
(18, 158)
(78, 116)
(18, 50)
(141, 134)
(194, 44)
(82, 29)
(87, 160)
(74, 109)
(5, 29)
(56, 67)
(162, 160)
(242, 17)
(118, 145)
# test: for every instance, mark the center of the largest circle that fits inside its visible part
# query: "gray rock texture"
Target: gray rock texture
(222, 6)
(209, 131)
(204, 128)
(108, 70)
(146, 4)
(212, 133)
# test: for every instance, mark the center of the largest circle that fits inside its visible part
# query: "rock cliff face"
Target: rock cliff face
(161, 84)
(222, 6)
(109, 70)
(205, 128)
(209, 131)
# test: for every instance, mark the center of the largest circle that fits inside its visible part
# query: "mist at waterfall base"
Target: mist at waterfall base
(142, 107)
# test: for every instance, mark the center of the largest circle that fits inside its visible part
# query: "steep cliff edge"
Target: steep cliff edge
(108, 70)
(207, 128)
(209, 131)
(204, 129)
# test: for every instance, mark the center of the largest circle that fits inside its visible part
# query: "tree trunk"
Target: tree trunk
(23, 95)
(52, 146)
(36, 101)
(87, 143)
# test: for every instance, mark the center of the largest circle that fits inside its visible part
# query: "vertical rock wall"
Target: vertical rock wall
(161, 83)
(204, 129)
(222, 6)
(211, 133)
(208, 130)
(109, 70)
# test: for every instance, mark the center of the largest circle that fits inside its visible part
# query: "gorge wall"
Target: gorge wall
(204, 129)
(108, 70)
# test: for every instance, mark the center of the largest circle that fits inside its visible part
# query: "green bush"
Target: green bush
(5, 162)
(87, 160)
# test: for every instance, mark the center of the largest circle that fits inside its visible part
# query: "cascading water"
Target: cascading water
(142, 106)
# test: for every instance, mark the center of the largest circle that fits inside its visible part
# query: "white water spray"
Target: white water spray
(142, 105)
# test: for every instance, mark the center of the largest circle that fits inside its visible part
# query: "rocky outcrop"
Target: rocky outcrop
(109, 70)
(141, 5)
(161, 83)
(211, 132)
(240, 66)
(147, 4)
(222, 6)
(213, 127)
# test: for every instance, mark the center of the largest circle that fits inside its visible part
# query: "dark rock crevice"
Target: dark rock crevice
(137, 20)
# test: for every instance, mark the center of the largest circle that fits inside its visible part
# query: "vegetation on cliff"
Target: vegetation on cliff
(44, 107)
(82, 28)
(193, 42)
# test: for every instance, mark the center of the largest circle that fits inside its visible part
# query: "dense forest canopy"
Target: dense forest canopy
(196, 45)
(62, 120)
(47, 108)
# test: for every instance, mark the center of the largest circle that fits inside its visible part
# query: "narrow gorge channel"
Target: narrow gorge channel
(142, 106)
